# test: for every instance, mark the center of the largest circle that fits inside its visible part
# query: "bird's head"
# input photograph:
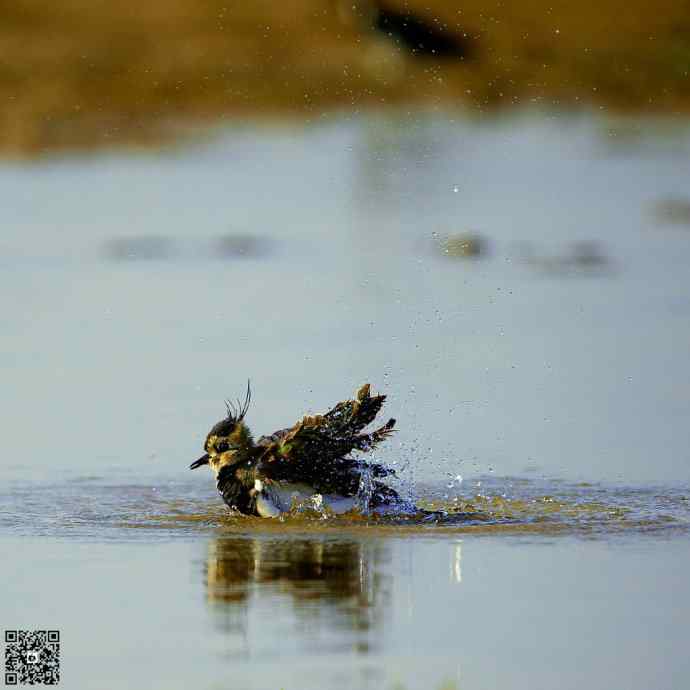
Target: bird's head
(229, 439)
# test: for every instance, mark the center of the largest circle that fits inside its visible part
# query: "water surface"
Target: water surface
(518, 287)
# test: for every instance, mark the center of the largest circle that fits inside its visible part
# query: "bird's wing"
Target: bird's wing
(315, 450)
(276, 436)
(351, 416)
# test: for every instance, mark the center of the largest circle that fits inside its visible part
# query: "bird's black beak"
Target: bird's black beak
(203, 460)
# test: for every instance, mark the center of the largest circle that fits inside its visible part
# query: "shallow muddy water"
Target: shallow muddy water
(95, 509)
(297, 605)
(517, 286)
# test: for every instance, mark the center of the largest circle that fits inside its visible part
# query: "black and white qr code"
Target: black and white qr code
(32, 657)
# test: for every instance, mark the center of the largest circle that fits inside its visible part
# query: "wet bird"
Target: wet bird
(310, 461)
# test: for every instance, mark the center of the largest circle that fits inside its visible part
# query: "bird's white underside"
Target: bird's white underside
(280, 497)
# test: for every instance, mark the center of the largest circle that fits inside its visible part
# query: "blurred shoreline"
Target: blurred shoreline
(88, 75)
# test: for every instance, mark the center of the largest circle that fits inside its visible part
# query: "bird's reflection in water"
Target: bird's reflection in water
(316, 593)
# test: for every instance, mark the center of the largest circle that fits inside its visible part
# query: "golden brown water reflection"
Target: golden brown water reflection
(334, 581)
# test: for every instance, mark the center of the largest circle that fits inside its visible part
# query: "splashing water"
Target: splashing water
(92, 508)
(366, 489)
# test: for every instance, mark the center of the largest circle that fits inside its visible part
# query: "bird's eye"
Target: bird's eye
(222, 446)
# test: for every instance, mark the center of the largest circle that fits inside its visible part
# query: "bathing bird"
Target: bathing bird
(310, 462)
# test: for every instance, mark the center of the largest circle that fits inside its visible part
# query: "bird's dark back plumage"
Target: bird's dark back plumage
(317, 449)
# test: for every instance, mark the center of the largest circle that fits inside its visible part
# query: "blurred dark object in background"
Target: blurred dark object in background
(80, 73)
(142, 248)
(464, 246)
(159, 248)
(420, 35)
(581, 258)
(672, 212)
(239, 245)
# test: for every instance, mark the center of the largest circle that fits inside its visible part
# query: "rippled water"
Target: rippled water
(518, 287)
(93, 509)
(519, 583)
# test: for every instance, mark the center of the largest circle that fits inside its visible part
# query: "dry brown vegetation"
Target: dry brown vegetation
(90, 72)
